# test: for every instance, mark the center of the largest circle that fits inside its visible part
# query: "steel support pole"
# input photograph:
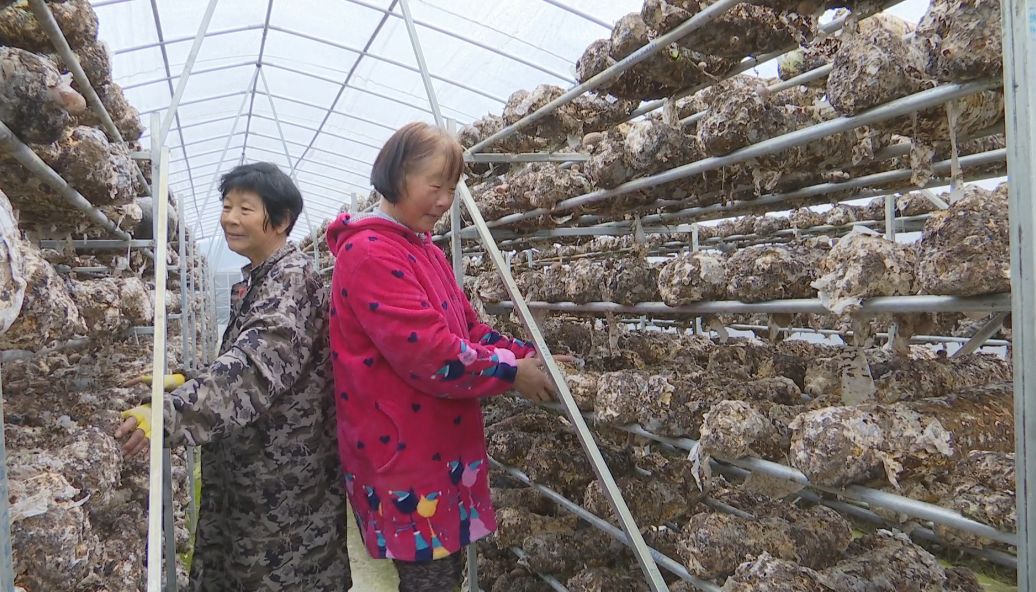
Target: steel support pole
(629, 525)
(226, 147)
(192, 56)
(890, 217)
(1019, 35)
(345, 83)
(456, 225)
(6, 553)
(154, 548)
(457, 255)
(292, 163)
(179, 124)
(186, 327)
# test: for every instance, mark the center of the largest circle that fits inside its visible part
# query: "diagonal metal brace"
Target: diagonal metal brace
(994, 324)
(593, 453)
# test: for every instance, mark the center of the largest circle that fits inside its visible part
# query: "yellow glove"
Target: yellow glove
(170, 383)
(141, 413)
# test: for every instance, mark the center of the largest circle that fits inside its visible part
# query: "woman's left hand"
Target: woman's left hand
(136, 425)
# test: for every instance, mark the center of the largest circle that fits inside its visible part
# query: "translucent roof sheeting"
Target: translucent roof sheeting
(337, 77)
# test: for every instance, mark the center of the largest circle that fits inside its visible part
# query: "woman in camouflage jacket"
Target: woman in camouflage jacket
(273, 514)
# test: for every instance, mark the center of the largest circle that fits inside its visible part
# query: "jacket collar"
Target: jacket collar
(247, 272)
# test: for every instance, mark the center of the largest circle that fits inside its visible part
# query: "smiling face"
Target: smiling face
(427, 194)
(247, 228)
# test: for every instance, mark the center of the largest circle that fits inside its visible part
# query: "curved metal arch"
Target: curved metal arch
(380, 58)
(480, 45)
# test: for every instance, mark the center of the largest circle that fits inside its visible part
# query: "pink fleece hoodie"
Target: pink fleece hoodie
(411, 360)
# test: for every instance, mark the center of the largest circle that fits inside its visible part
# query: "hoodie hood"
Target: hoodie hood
(346, 226)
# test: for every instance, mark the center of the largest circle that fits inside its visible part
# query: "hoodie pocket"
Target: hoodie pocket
(381, 438)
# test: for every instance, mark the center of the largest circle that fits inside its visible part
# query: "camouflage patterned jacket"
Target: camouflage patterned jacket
(273, 511)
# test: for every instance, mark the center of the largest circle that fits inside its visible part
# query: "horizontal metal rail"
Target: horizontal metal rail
(874, 497)
(547, 579)
(896, 108)
(748, 64)
(862, 513)
(34, 164)
(734, 195)
(97, 245)
(816, 195)
(495, 157)
(672, 566)
(941, 169)
(871, 306)
(849, 334)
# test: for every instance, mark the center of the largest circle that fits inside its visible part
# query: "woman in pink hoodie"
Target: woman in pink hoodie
(411, 360)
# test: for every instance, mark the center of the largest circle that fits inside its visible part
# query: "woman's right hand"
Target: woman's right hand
(532, 382)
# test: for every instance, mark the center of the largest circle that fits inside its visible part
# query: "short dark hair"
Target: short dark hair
(280, 196)
(411, 144)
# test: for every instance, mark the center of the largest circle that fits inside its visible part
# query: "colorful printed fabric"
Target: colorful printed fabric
(411, 359)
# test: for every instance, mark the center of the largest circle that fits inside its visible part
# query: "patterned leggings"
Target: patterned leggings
(441, 575)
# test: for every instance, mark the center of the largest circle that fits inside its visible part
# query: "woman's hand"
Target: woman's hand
(532, 382)
(136, 425)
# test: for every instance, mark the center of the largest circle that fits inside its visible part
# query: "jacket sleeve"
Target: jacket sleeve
(486, 335)
(412, 335)
(273, 347)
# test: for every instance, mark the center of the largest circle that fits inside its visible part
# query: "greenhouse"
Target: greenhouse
(748, 290)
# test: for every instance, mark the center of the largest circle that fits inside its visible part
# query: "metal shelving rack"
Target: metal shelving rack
(1020, 71)
(1019, 18)
(193, 280)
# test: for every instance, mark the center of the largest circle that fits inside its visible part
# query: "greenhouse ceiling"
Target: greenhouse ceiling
(316, 86)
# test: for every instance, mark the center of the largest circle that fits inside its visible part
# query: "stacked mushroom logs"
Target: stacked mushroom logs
(72, 323)
(68, 354)
(962, 252)
(46, 110)
(944, 440)
(745, 110)
(682, 519)
(763, 400)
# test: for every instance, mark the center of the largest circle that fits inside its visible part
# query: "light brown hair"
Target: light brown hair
(409, 145)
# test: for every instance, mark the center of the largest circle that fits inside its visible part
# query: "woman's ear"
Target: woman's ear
(282, 228)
